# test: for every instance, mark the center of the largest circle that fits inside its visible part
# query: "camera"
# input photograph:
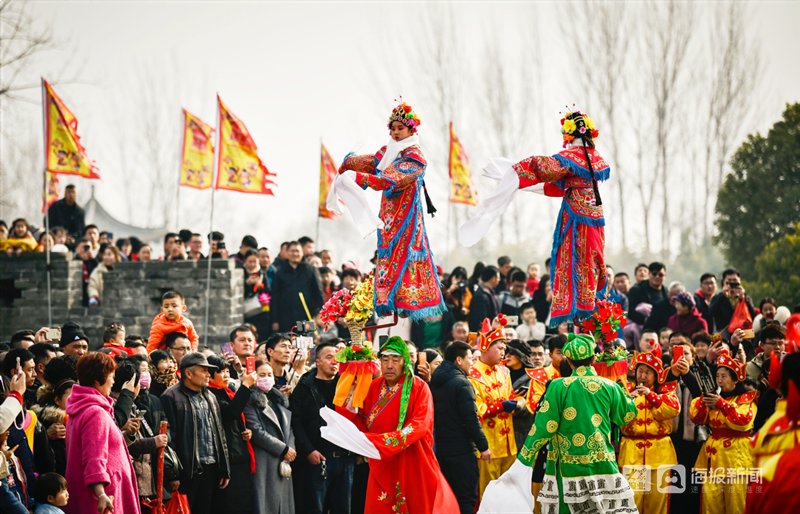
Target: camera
(304, 328)
(734, 284)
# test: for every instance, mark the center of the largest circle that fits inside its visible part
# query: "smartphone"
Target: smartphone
(227, 348)
(677, 353)
(472, 339)
(53, 334)
(422, 358)
(250, 364)
(19, 366)
(513, 321)
(749, 333)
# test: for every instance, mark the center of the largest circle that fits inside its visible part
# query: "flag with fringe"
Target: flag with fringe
(327, 174)
(461, 187)
(65, 154)
(197, 153)
(239, 168)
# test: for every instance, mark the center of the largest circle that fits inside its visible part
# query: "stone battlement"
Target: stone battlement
(131, 295)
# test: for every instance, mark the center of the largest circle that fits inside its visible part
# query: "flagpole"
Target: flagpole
(319, 192)
(180, 171)
(46, 208)
(214, 172)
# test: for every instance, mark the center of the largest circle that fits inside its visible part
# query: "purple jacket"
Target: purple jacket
(97, 453)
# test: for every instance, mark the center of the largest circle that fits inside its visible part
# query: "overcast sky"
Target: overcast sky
(297, 73)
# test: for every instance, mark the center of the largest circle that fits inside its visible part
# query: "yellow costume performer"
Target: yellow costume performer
(646, 444)
(776, 446)
(725, 459)
(494, 397)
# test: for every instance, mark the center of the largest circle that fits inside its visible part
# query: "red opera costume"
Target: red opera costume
(405, 275)
(407, 478)
(577, 266)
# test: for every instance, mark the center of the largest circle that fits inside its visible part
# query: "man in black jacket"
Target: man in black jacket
(329, 468)
(647, 291)
(195, 423)
(67, 214)
(291, 279)
(456, 428)
(484, 303)
(724, 303)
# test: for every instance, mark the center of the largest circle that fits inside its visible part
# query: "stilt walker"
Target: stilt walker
(405, 275)
(577, 267)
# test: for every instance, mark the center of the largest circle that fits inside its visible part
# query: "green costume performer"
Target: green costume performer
(575, 416)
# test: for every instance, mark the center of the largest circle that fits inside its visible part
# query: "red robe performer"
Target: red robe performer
(405, 275)
(577, 266)
(398, 420)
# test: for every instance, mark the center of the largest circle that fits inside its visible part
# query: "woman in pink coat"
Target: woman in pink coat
(100, 475)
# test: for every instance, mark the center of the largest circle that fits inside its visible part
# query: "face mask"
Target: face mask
(144, 379)
(265, 383)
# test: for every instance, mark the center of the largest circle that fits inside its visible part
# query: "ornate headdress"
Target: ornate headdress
(405, 115)
(577, 124)
(726, 361)
(488, 336)
(652, 361)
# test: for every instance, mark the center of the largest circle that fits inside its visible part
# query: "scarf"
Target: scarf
(393, 149)
(166, 378)
(249, 444)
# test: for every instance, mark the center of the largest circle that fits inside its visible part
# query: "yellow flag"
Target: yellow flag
(461, 189)
(65, 154)
(197, 154)
(51, 191)
(327, 174)
(239, 166)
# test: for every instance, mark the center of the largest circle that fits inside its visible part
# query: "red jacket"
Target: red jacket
(162, 326)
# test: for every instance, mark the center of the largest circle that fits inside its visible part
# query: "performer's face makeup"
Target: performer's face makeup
(725, 379)
(495, 354)
(645, 376)
(398, 131)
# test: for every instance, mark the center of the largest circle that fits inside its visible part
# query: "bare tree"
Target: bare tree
(665, 50)
(603, 52)
(734, 72)
(20, 41)
(507, 77)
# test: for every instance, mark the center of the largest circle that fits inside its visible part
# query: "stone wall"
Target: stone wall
(131, 294)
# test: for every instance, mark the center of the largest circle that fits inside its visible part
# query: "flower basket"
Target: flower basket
(357, 367)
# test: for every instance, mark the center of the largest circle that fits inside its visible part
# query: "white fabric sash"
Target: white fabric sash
(345, 192)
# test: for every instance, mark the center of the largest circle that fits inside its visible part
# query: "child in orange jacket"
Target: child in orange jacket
(171, 319)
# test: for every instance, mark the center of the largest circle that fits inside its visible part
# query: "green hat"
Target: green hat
(579, 347)
(395, 345)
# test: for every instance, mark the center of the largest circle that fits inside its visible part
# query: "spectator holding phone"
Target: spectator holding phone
(724, 303)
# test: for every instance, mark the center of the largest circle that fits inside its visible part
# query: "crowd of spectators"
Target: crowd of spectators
(80, 424)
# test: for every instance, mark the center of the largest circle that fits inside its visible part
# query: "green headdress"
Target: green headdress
(579, 347)
(396, 346)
